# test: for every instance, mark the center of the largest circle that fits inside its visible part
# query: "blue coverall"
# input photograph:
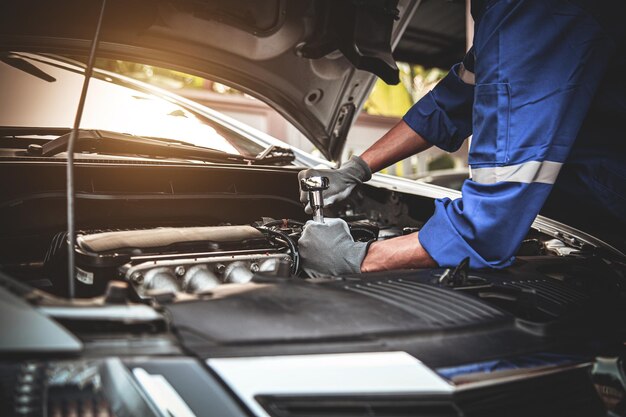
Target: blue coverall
(549, 98)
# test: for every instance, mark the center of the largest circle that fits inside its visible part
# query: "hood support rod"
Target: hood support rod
(71, 225)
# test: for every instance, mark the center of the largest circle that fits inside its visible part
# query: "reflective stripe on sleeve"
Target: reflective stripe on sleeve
(534, 171)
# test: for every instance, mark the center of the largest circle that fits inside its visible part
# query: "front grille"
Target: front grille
(436, 306)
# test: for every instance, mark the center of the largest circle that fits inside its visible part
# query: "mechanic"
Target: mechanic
(543, 92)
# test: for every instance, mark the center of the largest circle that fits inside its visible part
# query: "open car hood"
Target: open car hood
(312, 60)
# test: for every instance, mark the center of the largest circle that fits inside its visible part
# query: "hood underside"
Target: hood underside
(312, 60)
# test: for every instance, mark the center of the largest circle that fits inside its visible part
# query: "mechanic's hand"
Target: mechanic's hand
(342, 181)
(328, 248)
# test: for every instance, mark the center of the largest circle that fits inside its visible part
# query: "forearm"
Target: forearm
(402, 252)
(397, 144)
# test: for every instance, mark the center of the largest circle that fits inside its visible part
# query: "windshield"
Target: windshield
(46, 95)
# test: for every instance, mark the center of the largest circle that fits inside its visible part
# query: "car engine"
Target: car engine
(190, 260)
(182, 260)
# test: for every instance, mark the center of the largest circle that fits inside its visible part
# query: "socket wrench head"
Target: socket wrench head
(315, 185)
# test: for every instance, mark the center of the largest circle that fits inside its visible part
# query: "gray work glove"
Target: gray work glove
(328, 248)
(342, 181)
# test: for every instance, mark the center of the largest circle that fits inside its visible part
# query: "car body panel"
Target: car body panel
(318, 96)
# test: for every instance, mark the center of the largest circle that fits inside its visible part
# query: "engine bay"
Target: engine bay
(168, 265)
(178, 234)
(249, 277)
(187, 260)
(204, 261)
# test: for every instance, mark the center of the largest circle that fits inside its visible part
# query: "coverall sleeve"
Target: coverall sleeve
(443, 117)
(538, 65)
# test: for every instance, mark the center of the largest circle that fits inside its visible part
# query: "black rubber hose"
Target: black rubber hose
(292, 246)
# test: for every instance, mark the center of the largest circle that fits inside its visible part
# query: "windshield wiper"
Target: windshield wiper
(101, 141)
(27, 67)
(276, 155)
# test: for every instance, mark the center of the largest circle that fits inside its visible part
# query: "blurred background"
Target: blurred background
(440, 31)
